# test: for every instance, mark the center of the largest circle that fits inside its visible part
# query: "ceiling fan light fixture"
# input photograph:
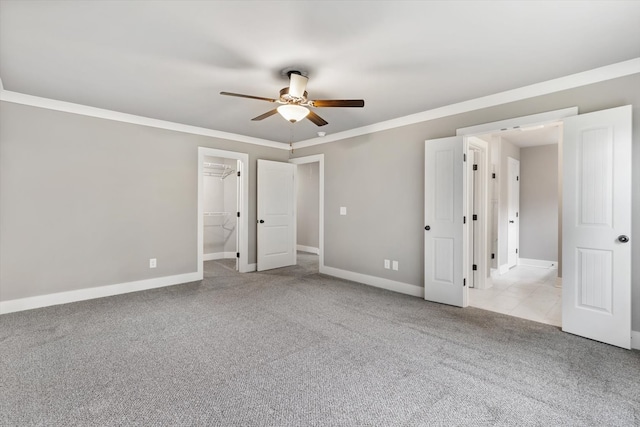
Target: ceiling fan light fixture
(292, 112)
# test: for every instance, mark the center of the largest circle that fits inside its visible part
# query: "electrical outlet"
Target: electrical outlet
(395, 266)
(387, 264)
(152, 263)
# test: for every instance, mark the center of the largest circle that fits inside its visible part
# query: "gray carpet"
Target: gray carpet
(291, 347)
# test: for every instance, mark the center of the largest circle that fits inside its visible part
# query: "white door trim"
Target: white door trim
(481, 184)
(320, 159)
(243, 203)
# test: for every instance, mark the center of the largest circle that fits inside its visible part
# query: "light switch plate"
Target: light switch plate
(343, 210)
(395, 266)
(387, 264)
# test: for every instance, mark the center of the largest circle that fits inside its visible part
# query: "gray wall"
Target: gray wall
(85, 202)
(380, 178)
(308, 203)
(539, 202)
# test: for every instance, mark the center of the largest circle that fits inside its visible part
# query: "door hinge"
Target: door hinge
(474, 267)
(238, 173)
(464, 157)
(516, 214)
(493, 175)
(493, 256)
(464, 219)
(464, 282)
(238, 214)
(516, 250)
(475, 217)
(237, 254)
(517, 178)
(475, 167)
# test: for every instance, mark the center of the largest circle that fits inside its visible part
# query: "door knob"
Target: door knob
(261, 221)
(427, 227)
(510, 221)
(623, 239)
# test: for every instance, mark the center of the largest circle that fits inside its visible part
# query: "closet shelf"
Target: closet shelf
(217, 170)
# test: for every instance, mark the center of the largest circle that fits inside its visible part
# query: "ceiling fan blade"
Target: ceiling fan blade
(265, 115)
(319, 121)
(337, 103)
(239, 95)
(297, 85)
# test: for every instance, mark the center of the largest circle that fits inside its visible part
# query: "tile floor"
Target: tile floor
(526, 292)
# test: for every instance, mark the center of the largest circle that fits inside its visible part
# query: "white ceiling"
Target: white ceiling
(170, 59)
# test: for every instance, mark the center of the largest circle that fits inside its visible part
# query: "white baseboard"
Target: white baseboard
(504, 268)
(635, 340)
(529, 262)
(251, 268)
(91, 293)
(309, 249)
(378, 282)
(218, 255)
(558, 282)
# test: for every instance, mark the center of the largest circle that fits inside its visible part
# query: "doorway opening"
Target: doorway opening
(220, 239)
(595, 200)
(310, 212)
(521, 251)
(222, 210)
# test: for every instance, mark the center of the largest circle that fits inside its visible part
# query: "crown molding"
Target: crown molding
(68, 107)
(609, 72)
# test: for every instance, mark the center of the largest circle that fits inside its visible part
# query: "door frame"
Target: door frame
(243, 204)
(319, 158)
(480, 181)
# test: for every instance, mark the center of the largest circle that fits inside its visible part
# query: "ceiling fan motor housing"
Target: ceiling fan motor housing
(288, 99)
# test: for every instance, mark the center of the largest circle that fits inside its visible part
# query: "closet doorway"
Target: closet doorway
(220, 216)
(222, 208)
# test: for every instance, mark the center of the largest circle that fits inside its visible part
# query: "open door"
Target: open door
(513, 214)
(596, 295)
(276, 215)
(443, 211)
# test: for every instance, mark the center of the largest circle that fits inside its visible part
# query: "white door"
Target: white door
(596, 294)
(513, 227)
(276, 215)
(443, 251)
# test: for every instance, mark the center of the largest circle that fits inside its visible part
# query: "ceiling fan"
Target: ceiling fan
(295, 102)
